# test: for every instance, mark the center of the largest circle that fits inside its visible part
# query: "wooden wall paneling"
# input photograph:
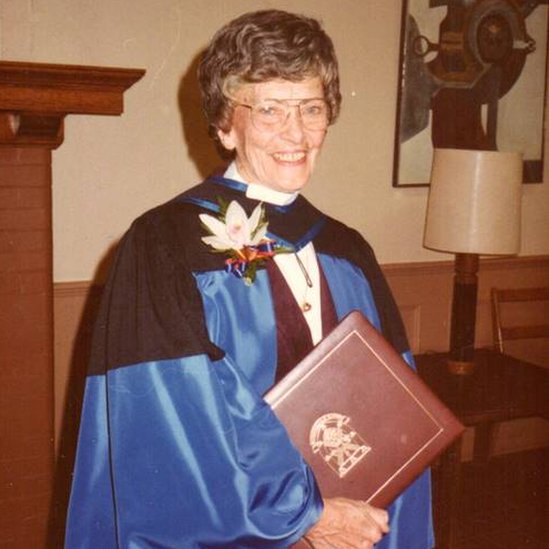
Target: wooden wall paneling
(426, 288)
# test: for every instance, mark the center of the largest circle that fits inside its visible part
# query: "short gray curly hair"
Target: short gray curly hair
(260, 46)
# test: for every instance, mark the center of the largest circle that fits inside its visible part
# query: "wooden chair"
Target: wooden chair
(531, 322)
(520, 318)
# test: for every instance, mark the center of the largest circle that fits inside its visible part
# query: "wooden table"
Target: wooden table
(500, 388)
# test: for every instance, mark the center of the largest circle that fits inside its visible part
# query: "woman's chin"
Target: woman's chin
(288, 181)
(291, 186)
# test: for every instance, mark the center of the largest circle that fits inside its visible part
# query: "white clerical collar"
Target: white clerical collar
(260, 192)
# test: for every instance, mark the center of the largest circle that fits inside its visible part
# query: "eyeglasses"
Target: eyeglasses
(272, 114)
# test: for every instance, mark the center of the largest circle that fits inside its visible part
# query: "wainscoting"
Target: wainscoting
(423, 292)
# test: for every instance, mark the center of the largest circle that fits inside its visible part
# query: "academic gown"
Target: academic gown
(177, 449)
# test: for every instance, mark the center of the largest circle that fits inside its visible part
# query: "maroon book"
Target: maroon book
(362, 418)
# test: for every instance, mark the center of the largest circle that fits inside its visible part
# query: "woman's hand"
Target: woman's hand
(348, 524)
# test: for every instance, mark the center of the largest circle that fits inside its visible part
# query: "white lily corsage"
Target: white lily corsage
(243, 238)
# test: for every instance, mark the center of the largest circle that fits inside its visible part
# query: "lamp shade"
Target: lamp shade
(474, 202)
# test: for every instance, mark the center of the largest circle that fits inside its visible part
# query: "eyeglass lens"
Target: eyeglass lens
(273, 114)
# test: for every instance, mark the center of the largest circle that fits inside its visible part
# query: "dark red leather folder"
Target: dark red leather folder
(362, 418)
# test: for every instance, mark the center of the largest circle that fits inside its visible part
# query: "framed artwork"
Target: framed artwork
(472, 76)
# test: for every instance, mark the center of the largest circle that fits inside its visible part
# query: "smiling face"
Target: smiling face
(283, 158)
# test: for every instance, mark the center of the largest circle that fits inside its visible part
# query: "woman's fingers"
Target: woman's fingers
(349, 524)
(380, 516)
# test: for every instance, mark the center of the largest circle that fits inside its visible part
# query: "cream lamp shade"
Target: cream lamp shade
(474, 202)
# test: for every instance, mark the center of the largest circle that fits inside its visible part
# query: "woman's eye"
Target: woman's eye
(313, 110)
(268, 110)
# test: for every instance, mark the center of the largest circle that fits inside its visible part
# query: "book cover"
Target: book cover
(362, 418)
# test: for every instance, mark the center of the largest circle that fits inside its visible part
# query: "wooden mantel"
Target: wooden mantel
(34, 100)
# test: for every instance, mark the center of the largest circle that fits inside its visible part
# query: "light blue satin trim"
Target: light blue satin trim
(409, 358)
(206, 204)
(349, 288)
(90, 521)
(230, 183)
(240, 320)
(311, 234)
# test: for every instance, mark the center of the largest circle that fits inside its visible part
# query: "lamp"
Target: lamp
(473, 208)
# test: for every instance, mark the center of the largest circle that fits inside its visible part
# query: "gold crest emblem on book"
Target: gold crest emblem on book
(341, 447)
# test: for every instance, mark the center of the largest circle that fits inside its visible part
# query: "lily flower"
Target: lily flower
(236, 231)
(243, 238)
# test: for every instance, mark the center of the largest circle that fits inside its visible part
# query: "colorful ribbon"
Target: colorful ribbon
(249, 254)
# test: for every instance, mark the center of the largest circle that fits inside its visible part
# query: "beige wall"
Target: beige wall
(111, 169)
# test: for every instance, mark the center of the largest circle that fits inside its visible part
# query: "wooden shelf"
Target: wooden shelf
(35, 98)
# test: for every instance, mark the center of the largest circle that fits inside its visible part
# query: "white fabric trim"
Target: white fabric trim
(260, 192)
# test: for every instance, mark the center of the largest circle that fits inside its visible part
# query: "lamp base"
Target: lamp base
(464, 305)
(460, 367)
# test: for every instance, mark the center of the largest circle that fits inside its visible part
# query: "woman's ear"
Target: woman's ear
(226, 139)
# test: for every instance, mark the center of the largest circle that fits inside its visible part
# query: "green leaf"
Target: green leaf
(223, 207)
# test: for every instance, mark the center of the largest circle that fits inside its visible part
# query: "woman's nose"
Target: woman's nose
(293, 127)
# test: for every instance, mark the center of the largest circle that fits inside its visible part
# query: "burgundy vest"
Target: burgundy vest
(293, 337)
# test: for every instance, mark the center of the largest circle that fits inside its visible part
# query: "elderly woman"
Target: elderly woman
(211, 299)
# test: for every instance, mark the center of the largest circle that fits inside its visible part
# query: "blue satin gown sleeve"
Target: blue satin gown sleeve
(199, 461)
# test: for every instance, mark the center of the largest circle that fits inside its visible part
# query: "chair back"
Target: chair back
(520, 314)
